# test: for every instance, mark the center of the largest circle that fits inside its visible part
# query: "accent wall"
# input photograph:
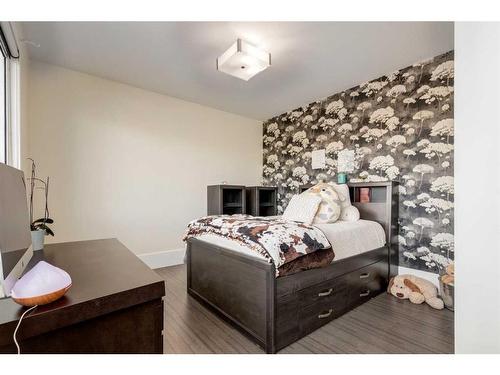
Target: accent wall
(400, 127)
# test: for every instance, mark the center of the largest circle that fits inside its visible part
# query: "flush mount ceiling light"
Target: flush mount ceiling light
(243, 60)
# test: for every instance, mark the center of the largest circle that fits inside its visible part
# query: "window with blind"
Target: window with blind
(9, 97)
(3, 122)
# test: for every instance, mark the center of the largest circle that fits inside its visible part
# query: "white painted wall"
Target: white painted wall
(432, 277)
(129, 163)
(477, 184)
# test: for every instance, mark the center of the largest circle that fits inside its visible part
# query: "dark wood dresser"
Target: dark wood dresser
(114, 305)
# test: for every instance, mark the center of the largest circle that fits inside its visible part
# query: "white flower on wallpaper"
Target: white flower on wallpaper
(345, 129)
(443, 184)
(296, 114)
(408, 102)
(334, 147)
(381, 115)
(421, 117)
(444, 71)
(299, 171)
(409, 152)
(273, 160)
(273, 128)
(431, 94)
(444, 241)
(268, 140)
(392, 172)
(423, 169)
(437, 205)
(409, 204)
(438, 150)
(396, 91)
(400, 127)
(392, 123)
(334, 107)
(307, 119)
(371, 135)
(381, 163)
(363, 107)
(423, 223)
(443, 128)
(370, 88)
(395, 141)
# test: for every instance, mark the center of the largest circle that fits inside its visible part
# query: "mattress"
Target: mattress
(348, 238)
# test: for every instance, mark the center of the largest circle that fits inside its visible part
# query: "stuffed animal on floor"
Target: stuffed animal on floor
(416, 289)
(449, 277)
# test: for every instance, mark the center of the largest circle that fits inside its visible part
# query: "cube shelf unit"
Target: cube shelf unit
(262, 200)
(226, 199)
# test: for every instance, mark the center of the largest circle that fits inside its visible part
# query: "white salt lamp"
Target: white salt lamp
(43, 284)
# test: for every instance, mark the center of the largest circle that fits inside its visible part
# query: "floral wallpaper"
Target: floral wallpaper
(400, 127)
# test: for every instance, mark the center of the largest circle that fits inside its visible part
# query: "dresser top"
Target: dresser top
(106, 277)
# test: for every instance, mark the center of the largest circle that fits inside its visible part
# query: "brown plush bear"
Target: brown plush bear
(449, 277)
(416, 289)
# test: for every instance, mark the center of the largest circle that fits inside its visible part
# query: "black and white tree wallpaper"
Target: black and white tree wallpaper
(401, 128)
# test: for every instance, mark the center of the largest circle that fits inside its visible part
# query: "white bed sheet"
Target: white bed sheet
(348, 238)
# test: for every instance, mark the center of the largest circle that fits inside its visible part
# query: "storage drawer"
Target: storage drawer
(367, 282)
(314, 316)
(322, 292)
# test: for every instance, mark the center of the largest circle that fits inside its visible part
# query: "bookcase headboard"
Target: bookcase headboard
(378, 201)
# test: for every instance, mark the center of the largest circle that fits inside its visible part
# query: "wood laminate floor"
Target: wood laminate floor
(381, 325)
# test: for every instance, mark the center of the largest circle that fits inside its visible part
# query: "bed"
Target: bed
(242, 287)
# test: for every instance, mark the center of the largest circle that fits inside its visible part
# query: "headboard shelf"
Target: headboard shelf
(381, 206)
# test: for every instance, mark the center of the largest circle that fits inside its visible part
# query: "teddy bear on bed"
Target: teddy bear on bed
(416, 289)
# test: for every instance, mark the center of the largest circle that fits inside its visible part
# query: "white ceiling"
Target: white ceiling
(311, 60)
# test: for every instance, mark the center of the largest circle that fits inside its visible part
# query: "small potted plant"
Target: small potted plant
(39, 227)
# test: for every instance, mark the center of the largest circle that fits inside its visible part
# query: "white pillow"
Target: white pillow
(350, 213)
(302, 208)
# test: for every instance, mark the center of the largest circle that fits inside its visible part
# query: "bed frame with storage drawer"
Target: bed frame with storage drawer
(275, 312)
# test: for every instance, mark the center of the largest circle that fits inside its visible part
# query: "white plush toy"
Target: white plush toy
(416, 289)
(330, 206)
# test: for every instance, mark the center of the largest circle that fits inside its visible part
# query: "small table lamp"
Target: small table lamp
(345, 164)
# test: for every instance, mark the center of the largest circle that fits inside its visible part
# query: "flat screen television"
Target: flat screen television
(15, 236)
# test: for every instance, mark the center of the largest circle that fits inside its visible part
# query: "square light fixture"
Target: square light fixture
(243, 60)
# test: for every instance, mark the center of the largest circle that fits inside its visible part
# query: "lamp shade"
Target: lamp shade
(243, 60)
(43, 284)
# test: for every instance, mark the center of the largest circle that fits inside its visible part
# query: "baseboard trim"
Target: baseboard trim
(165, 258)
(432, 277)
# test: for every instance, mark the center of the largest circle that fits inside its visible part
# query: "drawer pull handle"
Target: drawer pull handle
(325, 315)
(364, 275)
(367, 293)
(325, 293)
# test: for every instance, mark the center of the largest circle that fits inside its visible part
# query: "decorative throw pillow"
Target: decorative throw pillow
(350, 213)
(329, 209)
(302, 208)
